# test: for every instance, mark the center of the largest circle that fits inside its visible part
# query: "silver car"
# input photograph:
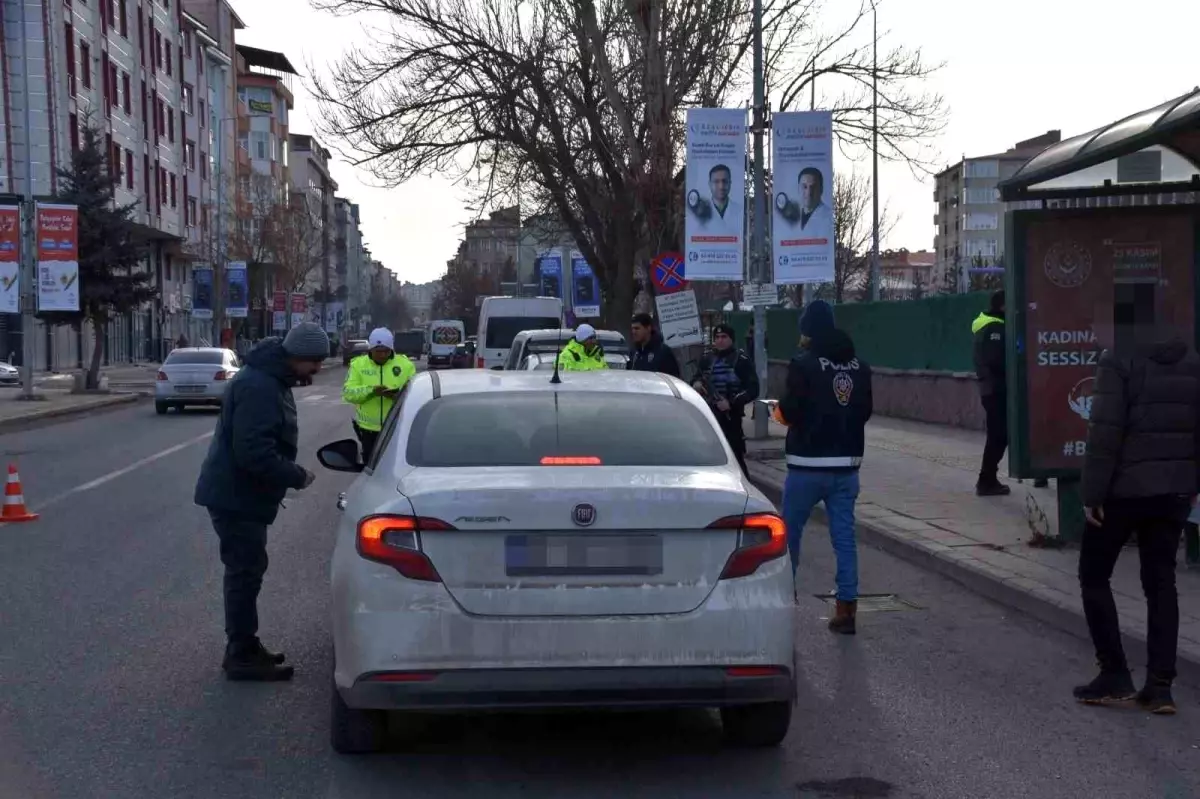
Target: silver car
(544, 362)
(194, 376)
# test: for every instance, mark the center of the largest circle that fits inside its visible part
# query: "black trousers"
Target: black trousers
(735, 435)
(367, 438)
(244, 553)
(1158, 524)
(995, 408)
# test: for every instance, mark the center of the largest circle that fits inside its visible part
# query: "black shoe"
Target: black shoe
(1156, 697)
(1110, 687)
(274, 657)
(991, 488)
(253, 663)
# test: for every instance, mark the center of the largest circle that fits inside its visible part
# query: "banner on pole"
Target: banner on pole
(715, 215)
(549, 266)
(299, 308)
(10, 259)
(202, 291)
(57, 257)
(238, 290)
(279, 308)
(802, 234)
(585, 289)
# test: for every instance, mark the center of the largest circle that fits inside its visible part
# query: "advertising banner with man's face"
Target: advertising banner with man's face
(802, 234)
(714, 205)
(585, 289)
(1079, 267)
(549, 269)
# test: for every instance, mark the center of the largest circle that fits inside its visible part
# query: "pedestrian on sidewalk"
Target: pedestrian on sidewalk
(649, 352)
(1139, 478)
(826, 406)
(373, 382)
(725, 377)
(251, 463)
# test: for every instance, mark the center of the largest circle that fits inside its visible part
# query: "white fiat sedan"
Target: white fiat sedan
(519, 543)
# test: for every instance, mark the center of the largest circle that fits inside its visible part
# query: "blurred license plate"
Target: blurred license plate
(538, 555)
(189, 389)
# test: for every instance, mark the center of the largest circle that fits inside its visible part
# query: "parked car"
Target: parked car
(194, 376)
(552, 340)
(9, 374)
(354, 348)
(464, 356)
(603, 517)
(544, 361)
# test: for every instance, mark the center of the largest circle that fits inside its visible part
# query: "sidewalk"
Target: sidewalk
(918, 502)
(16, 414)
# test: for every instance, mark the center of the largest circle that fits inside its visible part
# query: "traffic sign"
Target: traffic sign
(667, 273)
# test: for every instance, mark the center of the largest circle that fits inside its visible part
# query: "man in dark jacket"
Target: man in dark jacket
(250, 465)
(1139, 476)
(649, 352)
(826, 407)
(726, 379)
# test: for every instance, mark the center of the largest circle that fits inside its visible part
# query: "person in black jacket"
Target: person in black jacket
(826, 407)
(726, 379)
(649, 352)
(251, 463)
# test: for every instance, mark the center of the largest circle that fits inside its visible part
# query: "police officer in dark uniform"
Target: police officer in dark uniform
(649, 353)
(726, 379)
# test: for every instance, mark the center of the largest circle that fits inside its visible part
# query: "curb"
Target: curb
(19, 422)
(1043, 608)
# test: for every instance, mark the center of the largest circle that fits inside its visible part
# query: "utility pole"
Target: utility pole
(28, 279)
(759, 263)
(875, 277)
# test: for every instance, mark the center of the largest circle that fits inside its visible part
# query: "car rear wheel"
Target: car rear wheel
(352, 731)
(160, 408)
(757, 726)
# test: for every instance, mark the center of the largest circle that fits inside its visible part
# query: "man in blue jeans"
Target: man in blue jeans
(826, 406)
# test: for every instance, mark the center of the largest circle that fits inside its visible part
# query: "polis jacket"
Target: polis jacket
(574, 358)
(363, 378)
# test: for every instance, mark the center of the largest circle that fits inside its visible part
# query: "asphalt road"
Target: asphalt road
(110, 643)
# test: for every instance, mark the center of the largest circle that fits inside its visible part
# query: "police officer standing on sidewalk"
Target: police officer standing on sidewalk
(726, 378)
(649, 352)
(372, 385)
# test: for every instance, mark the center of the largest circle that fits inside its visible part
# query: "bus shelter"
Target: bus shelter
(1095, 225)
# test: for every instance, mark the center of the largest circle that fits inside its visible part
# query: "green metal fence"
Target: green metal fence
(931, 333)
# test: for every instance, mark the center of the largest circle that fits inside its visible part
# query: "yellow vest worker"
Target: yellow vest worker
(582, 353)
(372, 385)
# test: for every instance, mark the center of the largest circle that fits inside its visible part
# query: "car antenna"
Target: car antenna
(554, 378)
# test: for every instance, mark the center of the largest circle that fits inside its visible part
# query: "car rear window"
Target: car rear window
(501, 330)
(201, 357)
(522, 428)
(553, 345)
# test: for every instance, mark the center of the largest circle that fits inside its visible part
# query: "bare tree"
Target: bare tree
(454, 297)
(852, 230)
(298, 241)
(580, 104)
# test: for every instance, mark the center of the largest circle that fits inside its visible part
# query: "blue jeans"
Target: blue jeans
(802, 490)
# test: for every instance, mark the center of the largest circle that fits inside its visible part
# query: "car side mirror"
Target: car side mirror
(340, 456)
(499, 368)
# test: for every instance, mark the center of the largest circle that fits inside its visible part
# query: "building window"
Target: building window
(146, 176)
(73, 122)
(189, 154)
(129, 169)
(981, 222)
(171, 125)
(204, 166)
(185, 96)
(145, 112)
(125, 18)
(126, 92)
(258, 145)
(190, 211)
(983, 169)
(981, 196)
(201, 113)
(982, 248)
(85, 64)
(167, 46)
(141, 23)
(108, 155)
(172, 189)
(187, 43)
(69, 39)
(110, 7)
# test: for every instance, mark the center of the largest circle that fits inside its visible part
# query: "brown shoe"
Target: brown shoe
(843, 621)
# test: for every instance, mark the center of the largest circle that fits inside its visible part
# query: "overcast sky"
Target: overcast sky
(1014, 70)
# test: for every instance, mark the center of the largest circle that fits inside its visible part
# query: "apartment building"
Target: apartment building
(351, 267)
(313, 186)
(906, 273)
(419, 297)
(970, 216)
(490, 247)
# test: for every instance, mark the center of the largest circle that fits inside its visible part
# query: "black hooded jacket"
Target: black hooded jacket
(653, 356)
(251, 462)
(1144, 425)
(826, 405)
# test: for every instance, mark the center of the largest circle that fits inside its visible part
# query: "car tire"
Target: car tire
(161, 408)
(352, 731)
(756, 726)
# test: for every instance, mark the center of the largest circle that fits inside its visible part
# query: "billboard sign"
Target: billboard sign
(802, 231)
(714, 205)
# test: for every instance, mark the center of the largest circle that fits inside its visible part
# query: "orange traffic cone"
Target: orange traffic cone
(14, 499)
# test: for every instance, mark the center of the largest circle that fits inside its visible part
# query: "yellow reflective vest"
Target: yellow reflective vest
(361, 380)
(574, 358)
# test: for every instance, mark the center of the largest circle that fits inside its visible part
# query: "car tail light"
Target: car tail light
(221, 375)
(762, 537)
(551, 460)
(162, 376)
(396, 542)
(479, 363)
(755, 671)
(401, 676)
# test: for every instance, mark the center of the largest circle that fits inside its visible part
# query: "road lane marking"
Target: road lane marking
(113, 475)
(313, 397)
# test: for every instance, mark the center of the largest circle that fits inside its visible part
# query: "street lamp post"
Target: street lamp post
(760, 264)
(28, 279)
(875, 277)
(218, 265)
